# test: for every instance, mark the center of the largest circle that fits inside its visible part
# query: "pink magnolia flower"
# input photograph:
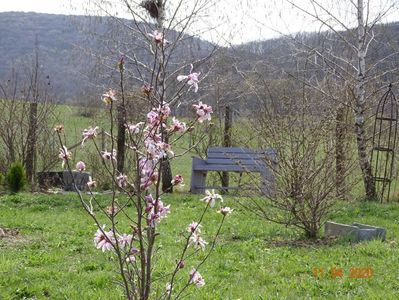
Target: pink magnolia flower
(164, 110)
(178, 179)
(164, 150)
(91, 183)
(89, 133)
(147, 166)
(59, 128)
(112, 210)
(148, 172)
(151, 136)
(194, 227)
(132, 255)
(197, 241)
(156, 210)
(125, 240)
(122, 181)
(192, 78)
(156, 149)
(203, 111)
(131, 259)
(168, 288)
(158, 115)
(211, 198)
(196, 278)
(163, 211)
(80, 166)
(177, 126)
(225, 211)
(65, 155)
(153, 118)
(134, 128)
(109, 97)
(149, 199)
(108, 155)
(158, 37)
(104, 241)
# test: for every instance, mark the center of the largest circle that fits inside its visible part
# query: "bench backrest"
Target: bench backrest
(239, 156)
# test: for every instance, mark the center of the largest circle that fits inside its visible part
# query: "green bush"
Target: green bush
(16, 178)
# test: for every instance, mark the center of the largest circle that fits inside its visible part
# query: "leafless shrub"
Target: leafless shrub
(288, 121)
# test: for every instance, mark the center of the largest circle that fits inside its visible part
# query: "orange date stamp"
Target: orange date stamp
(335, 272)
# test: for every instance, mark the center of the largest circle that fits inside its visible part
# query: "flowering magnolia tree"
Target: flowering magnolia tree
(142, 207)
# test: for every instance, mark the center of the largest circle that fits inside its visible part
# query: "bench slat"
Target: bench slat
(234, 162)
(231, 150)
(235, 155)
(229, 168)
(218, 187)
(236, 150)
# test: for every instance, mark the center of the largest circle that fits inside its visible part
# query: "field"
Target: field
(53, 257)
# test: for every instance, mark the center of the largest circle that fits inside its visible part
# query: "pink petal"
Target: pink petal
(181, 77)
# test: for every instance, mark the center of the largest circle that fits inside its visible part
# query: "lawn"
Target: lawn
(53, 255)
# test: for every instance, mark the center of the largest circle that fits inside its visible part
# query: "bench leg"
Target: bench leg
(198, 178)
(268, 184)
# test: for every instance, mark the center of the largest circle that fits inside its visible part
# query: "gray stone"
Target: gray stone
(80, 180)
(379, 232)
(50, 179)
(357, 232)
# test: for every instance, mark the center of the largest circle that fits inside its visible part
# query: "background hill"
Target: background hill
(72, 49)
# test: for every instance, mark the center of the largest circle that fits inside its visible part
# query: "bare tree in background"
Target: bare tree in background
(32, 125)
(26, 116)
(351, 64)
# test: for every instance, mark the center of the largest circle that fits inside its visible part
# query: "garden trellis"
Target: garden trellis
(384, 144)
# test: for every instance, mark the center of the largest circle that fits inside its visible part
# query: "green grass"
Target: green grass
(53, 257)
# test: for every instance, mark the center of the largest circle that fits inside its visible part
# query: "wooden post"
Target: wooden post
(227, 141)
(340, 153)
(103, 145)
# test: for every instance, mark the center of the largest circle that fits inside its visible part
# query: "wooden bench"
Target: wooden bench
(234, 159)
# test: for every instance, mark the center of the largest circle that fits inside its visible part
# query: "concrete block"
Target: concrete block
(357, 232)
(80, 179)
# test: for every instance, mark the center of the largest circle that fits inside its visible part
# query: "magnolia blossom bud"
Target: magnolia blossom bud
(181, 264)
(80, 166)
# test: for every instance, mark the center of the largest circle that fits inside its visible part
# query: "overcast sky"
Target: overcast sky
(236, 21)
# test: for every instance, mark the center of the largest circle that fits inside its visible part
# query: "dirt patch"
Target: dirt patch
(11, 238)
(8, 232)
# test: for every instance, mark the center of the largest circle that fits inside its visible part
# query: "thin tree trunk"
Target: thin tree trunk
(31, 147)
(364, 161)
(32, 130)
(166, 175)
(227, 141)
(121, 139)
(166, 172)
(121, 124)
(340, 153)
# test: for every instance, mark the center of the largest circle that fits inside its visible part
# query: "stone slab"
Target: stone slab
(357, 232)
(80, 178)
